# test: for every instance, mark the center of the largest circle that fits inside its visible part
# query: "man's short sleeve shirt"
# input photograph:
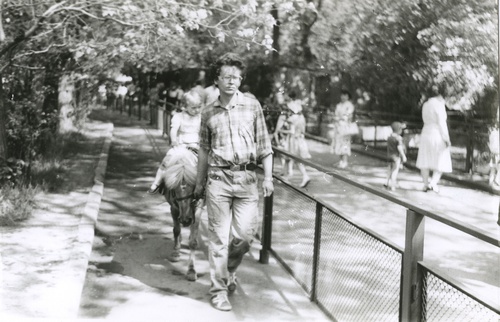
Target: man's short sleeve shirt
(236, 134)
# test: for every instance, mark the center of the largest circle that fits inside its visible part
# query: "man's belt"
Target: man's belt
(239, 167)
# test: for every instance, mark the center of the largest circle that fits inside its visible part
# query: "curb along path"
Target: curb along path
(88, 221)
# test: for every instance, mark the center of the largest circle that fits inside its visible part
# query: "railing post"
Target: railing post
(411, 285)
(267, 227)
(316, 250)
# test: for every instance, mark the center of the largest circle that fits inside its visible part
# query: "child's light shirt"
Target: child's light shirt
(188, 128)
(393, 142)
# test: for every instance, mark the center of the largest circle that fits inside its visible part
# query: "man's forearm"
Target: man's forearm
(267, 164)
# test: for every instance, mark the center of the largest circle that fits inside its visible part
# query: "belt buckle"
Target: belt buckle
(235, 167)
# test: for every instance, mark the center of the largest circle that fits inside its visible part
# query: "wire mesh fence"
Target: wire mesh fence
(358, 275)
(293, 233)
(444, 303)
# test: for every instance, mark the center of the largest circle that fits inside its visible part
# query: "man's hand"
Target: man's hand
(267, 187)
(199, 191)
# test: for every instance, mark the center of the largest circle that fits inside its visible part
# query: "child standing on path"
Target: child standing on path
(396, 154)
(184, 131)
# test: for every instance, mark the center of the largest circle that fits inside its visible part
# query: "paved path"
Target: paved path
(130, 277)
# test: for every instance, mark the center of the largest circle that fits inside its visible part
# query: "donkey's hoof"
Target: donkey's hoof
(191, 275)
(175, 256)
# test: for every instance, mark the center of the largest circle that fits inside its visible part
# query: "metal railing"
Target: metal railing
(355, 274)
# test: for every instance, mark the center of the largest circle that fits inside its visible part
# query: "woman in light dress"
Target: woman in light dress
(434, 149)
(344, 112)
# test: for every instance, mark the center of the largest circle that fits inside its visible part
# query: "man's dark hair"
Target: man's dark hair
(436, 89)
(228, 59)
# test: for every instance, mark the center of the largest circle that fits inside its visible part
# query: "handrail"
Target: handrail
(479, 233)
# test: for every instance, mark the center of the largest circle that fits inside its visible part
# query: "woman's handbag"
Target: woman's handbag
(350, 128)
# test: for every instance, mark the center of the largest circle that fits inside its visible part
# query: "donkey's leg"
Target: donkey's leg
(175, 255)
(193, 245)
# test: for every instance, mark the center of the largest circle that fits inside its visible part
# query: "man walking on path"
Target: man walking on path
(233, 138)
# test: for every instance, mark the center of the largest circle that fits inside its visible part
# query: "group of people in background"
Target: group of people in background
(433, 159)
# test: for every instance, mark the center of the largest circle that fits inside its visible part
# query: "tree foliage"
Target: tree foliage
(393, 49)
(396, 49)
(91, 40)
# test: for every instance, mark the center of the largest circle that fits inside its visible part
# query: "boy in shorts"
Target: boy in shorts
(396, 154)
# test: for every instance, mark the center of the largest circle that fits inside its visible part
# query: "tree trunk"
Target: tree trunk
(3, 125)
(276, 36)
(308, 19)
(66, 104)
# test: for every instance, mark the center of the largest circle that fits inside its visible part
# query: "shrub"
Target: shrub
(16, 204)
(11, 172)
(29, 129)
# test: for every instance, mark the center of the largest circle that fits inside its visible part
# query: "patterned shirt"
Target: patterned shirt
(236, 134)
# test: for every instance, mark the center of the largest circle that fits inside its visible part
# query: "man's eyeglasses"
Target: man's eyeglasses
(227, 79)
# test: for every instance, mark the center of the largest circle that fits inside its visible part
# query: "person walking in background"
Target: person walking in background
(396, 154)
(185, 131)
(233, 138)
(434, 148)
(343, 118)
(280, 137)
(493, 145)
(295, 137)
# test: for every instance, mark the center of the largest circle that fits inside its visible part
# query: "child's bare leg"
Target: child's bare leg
(157, 182)
(394, 173)
(389, 175)
(492, 176)
(496, 176)
(305, 176)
